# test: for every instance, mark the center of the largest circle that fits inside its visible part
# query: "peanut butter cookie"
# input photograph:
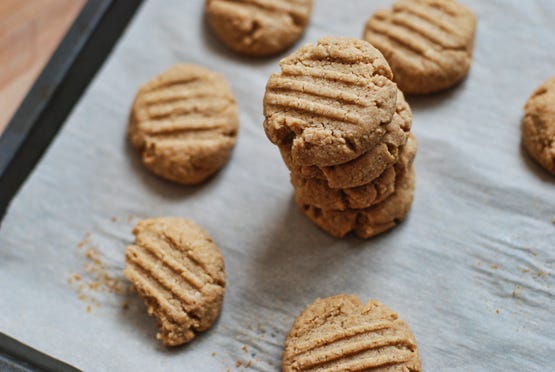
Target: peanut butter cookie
(340, 333)
(179, 271)
(185, 123)
(368, 222)
(538, 126)
(316, 192)
(428, 43)
(370, 165)
(331, 102)
(258, 27)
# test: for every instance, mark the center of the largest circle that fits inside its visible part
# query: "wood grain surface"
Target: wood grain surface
(30, 31)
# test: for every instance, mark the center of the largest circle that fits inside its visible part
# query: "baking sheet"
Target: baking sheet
(471, 270)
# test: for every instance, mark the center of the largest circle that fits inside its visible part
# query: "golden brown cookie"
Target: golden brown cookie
(538, 126)
(179, 271)
(368, 222)
(331, 102)
(370, 165)
(316, 192)
(185, 123)
(340, 333)
(428, 43)
(258, 27)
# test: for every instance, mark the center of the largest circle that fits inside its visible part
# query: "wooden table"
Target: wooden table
(30, 31)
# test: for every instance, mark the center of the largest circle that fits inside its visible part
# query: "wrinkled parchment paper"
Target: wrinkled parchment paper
(471, 270)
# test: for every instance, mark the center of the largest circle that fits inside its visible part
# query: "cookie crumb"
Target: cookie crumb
(249, 363)
(533, 252)
(245, 349)
(497, 311)
(517, 290)
(239, 363)
(114, 219)
(213, 354)
(495, 266)
(89, 308)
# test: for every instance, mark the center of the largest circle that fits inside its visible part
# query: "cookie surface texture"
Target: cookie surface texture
(367, 222)
(368, 166)
(331, 101)
(179, 271)
(258, 27)
(184, 122)
(341, 333)
(538, 126)
(428, 43)
(316, 192)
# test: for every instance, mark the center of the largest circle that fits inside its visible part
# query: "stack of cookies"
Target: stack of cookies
(343, 129)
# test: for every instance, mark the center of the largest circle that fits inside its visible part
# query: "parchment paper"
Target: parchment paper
(471, 270)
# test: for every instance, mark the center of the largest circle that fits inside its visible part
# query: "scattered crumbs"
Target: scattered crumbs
(495, 266)
(94, 277)
(245, 349)
(497, 311)
(239, 363)
(85, 240)
(249, 363)
(228, 370)
(525, 270)
(213, 354)
(114, 218)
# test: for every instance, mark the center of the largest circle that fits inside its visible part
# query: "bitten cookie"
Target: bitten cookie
(258, 27)
(185, 123)
(340, 333)
(428, 43)
(368, 222)
(368, 166)
(331, 102)
(316, 192)
(179, 271)
(538, 126)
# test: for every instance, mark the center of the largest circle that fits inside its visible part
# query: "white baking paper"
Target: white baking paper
(471, 270)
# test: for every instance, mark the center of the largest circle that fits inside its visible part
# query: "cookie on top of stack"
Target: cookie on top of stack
(343, 129)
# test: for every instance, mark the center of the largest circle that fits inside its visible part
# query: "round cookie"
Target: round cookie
(428, 43)
(340, 333)
(370, 165)
(538, 126)
(316, 192)
(185, 123)
(331, 102)
(258, 27)
(179, 271)
(368, 222)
